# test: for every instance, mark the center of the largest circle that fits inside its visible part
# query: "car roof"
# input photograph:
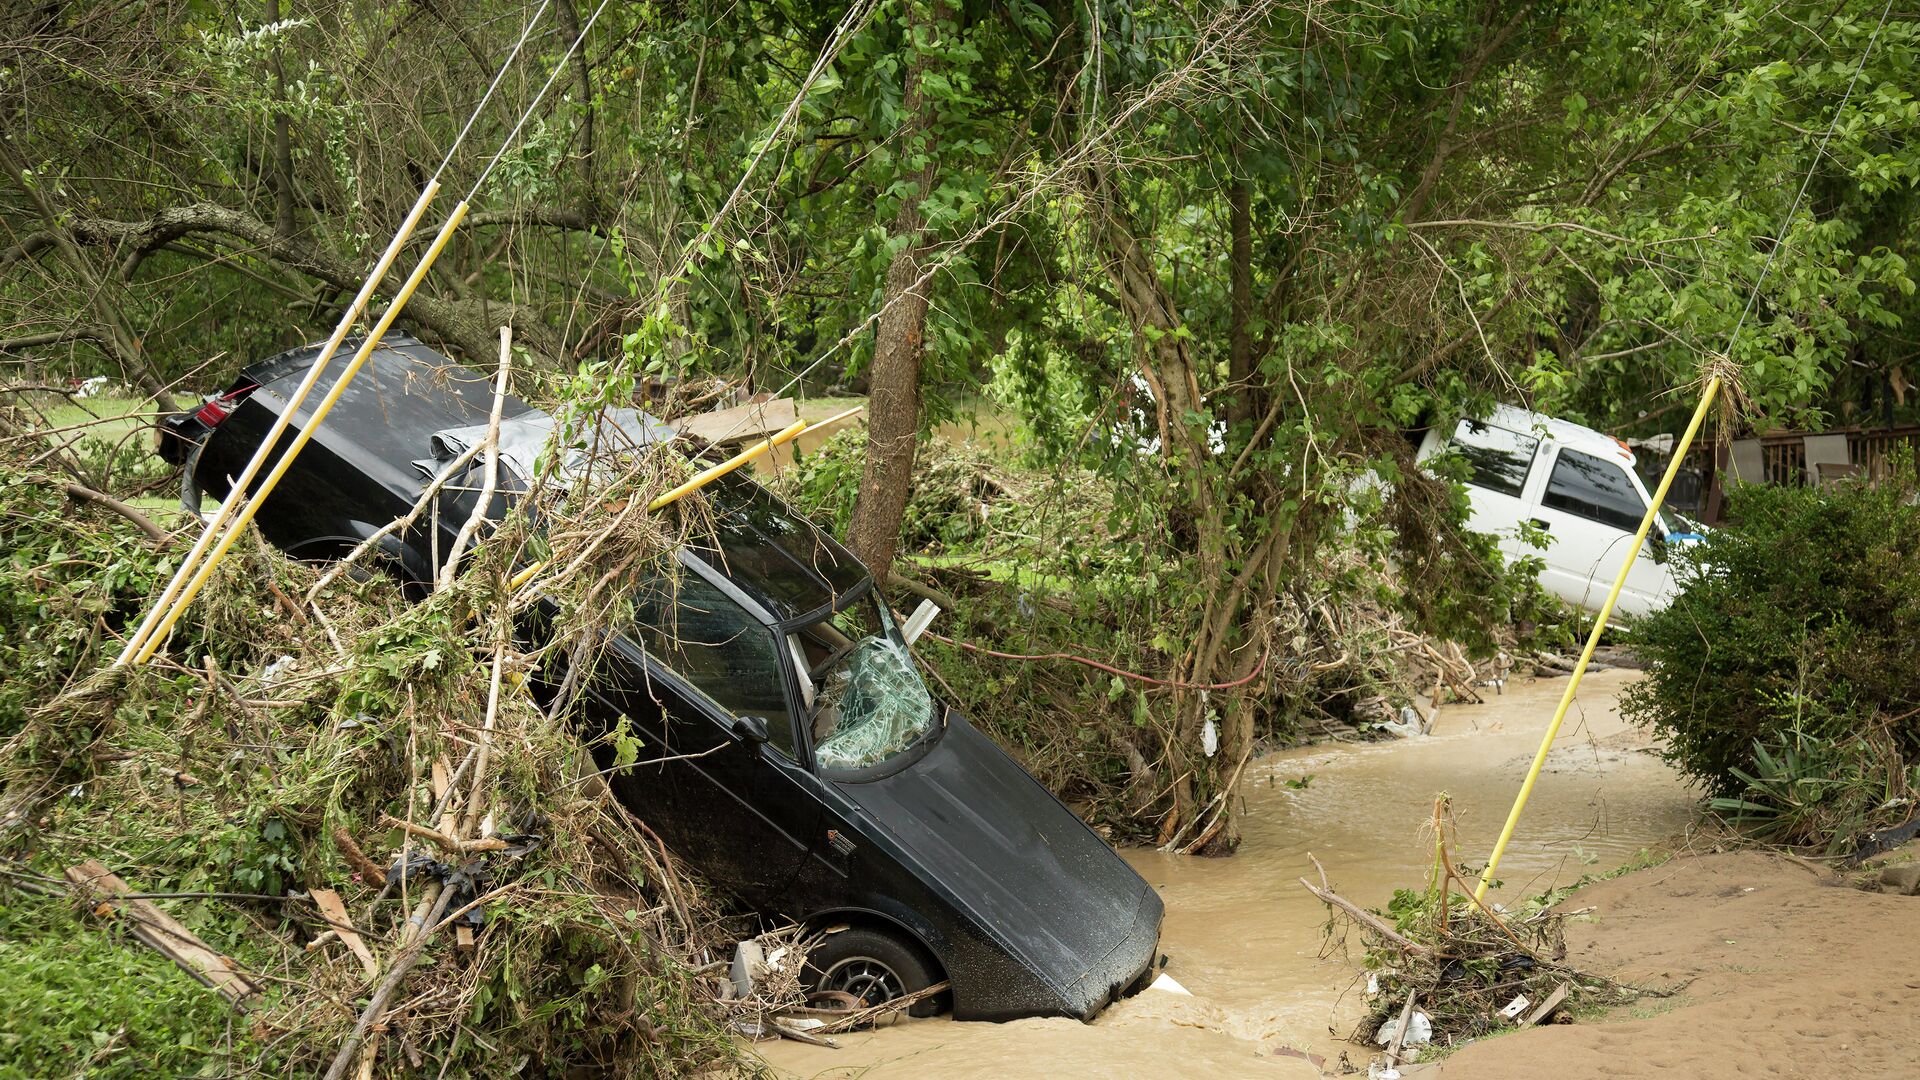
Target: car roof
(408, 393)
(1565, 432)
(385, 417)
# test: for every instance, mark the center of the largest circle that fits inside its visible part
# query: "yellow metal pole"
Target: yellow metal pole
(245, 515)
(239, 492)
(698, 481)
(1593, 639)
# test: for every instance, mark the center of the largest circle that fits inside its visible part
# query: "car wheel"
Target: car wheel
(874, 966)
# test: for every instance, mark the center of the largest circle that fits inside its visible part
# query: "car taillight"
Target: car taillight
(217, 408)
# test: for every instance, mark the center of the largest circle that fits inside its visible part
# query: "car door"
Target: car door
(737, 808)
(1498, 461)
(1590, 508)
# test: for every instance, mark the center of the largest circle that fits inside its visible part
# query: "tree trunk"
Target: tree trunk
(280, 173)
(893, 384)
(1240, 283)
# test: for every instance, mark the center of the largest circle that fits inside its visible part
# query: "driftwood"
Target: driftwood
(161, 931)
(1359, 914)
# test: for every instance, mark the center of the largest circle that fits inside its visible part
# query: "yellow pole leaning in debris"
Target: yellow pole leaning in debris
(1593, 639)
(245, 515)
(239, 493)
(702, 479)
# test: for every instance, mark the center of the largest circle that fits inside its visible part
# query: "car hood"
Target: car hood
(1039, 882)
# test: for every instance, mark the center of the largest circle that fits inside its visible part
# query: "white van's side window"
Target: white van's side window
(1594, 488)
(1499, 458)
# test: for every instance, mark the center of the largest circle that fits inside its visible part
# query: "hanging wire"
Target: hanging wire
(1818, 153)
(527, 113)
(525, 32)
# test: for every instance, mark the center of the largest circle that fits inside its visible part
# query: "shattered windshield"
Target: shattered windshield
(864, 696)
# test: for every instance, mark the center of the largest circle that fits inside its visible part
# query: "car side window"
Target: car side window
(1498, 457)
(701, 635)
(1596, 489)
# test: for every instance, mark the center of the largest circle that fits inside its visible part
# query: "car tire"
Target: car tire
(865, 962)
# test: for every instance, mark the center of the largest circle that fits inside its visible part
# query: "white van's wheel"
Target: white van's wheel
(872, 965)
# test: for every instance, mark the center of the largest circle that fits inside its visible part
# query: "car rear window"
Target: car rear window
(1498, 457)
(1596, 489)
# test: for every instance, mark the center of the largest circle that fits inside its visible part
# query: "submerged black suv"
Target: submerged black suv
(791, 749)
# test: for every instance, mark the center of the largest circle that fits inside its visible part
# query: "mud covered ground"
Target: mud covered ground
(1783, 970)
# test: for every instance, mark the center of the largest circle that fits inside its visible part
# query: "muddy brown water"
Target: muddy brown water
(1248, 941)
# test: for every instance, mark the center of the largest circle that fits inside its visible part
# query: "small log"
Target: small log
(161, 931)
(356, 858)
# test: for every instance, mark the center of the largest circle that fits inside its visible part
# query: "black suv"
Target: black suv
(792, 751)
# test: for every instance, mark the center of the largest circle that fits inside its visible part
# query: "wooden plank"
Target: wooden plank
(161, 931)
(1545, 1008)
(335, 911)
(742, 422)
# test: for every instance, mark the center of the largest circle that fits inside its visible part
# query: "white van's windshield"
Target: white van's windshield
(864, 695)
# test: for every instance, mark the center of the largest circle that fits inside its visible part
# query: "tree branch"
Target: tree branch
(101, 498)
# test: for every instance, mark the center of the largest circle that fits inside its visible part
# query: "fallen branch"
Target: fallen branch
(871, 1013)
(447, 843)
(1362, 916)
(101, 498)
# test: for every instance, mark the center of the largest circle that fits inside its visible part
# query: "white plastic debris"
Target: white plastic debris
(274, 670)
(1210, 738)
(1515, 1007)
(1419, 1031)
(749, 963)
(1377, 1071)
(1165, 983)
(1373, 984)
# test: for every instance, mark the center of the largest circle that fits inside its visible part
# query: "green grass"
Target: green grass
(82, 999)
(112, 419)
(1006, 571)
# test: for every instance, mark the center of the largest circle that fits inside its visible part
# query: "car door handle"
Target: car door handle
(1538, 524)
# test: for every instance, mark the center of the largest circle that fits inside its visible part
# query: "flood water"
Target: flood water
(1248, 941)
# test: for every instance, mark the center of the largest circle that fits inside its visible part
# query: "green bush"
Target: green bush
(1783, 676)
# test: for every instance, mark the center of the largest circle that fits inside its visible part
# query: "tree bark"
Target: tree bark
(1240, 284)
(893, 385)
(281, 171)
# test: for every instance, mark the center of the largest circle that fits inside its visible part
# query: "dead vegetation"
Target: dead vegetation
(1444, 968)
(357, 802)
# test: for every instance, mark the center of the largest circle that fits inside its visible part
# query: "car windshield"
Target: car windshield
(864, 696)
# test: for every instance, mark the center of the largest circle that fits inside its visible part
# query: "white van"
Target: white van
(1579, 488)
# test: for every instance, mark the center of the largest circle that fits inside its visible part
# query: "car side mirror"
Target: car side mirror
(1657, 544)
(749, 729)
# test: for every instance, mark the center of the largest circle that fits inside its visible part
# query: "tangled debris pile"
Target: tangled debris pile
(349, 800)
(1443, 968)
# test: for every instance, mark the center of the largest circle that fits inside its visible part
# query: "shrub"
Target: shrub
(1783, 674)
